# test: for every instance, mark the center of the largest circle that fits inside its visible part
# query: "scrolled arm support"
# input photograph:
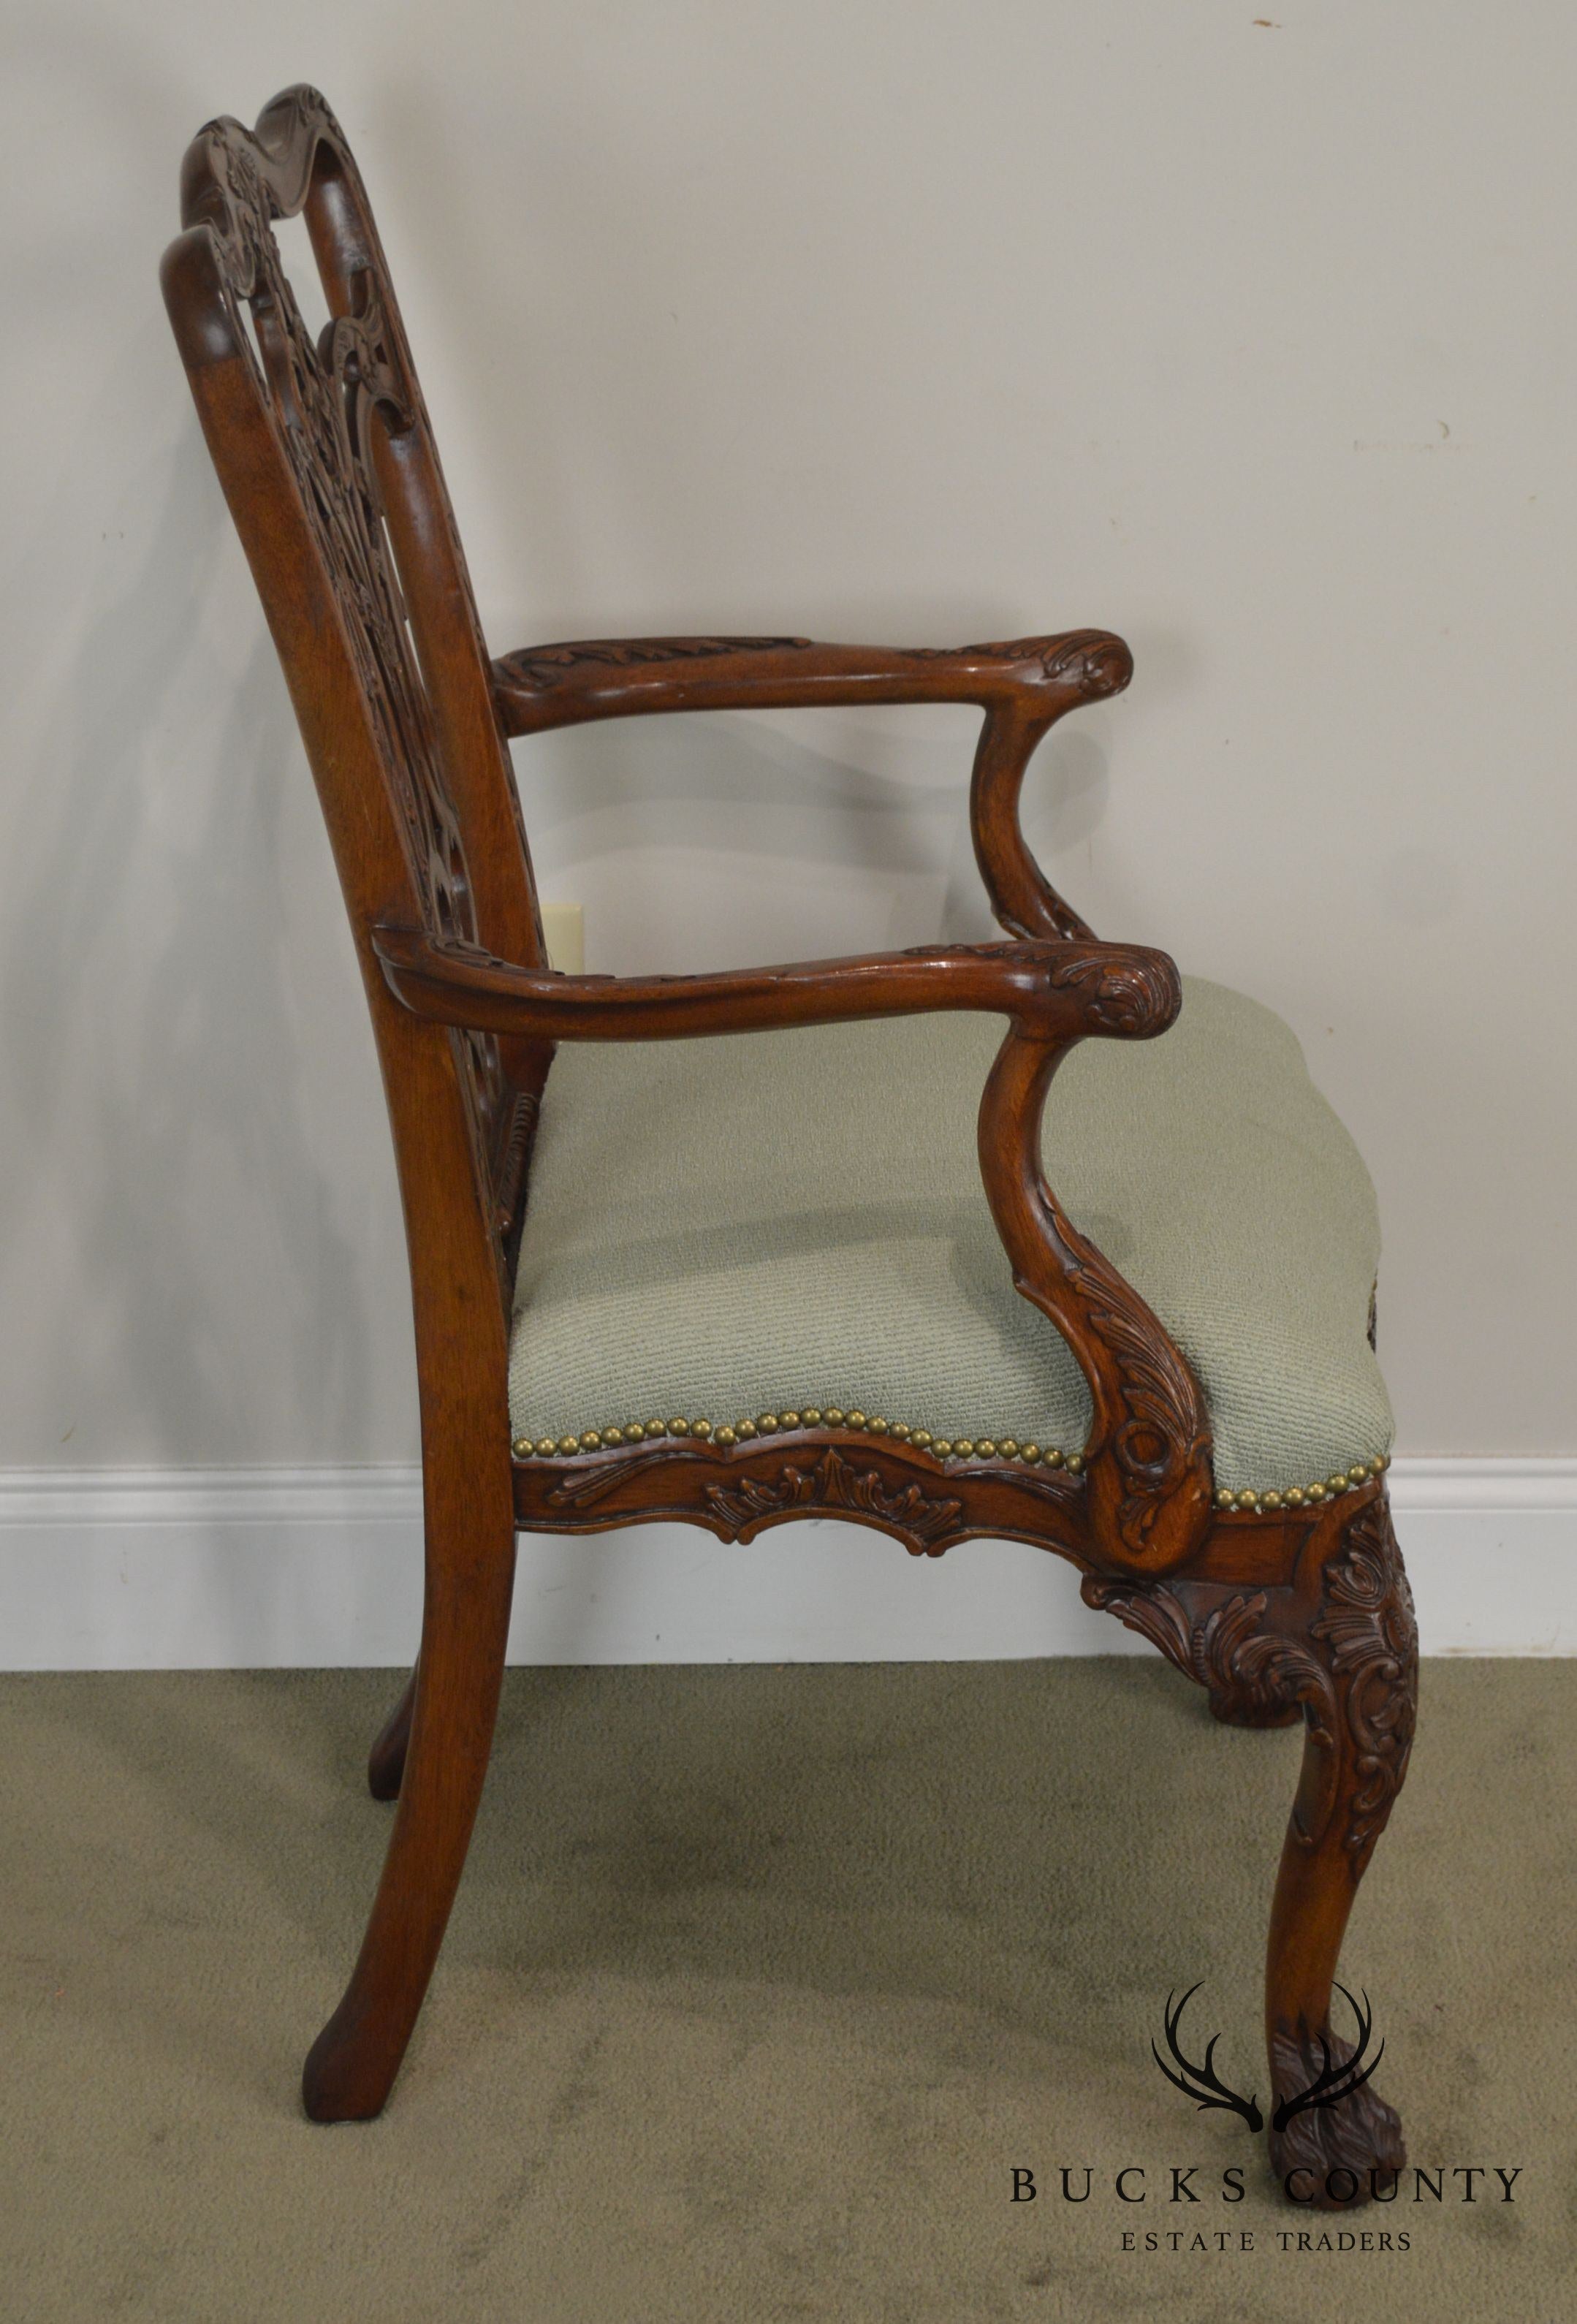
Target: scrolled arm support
(1148, 1455)
(1024, 684)
(1022, 897)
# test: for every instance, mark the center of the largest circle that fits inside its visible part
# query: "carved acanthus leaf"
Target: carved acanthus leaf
(582, 1487)
(1355, 1675)
(1135, 997)
(1255, 1677)
(1092, 660)
(833, 1485)
(1161, 1432)
(1367, 1623)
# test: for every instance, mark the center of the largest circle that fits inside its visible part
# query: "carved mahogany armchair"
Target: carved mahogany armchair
(721, 1308)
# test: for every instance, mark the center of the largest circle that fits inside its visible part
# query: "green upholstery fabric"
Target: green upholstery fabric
(758, 1223)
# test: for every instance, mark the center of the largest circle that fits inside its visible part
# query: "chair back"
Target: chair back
(326, 459)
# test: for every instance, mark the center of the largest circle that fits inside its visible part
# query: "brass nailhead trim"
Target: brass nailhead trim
(941, 1448)
(1305, 1497)
(773, 1424)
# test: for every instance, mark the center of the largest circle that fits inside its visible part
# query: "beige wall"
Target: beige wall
(921, 323)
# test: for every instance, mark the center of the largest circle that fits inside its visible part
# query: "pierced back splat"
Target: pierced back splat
(422, 810)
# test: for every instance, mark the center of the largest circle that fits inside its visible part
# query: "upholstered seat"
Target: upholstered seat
(725, 1228)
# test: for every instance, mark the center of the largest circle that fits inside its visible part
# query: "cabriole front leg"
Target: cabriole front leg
(1361, 1634)
(1336, 1642)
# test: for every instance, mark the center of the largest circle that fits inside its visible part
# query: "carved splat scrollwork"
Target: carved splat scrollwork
(324, 399)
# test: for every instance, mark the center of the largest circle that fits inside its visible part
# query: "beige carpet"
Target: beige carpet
(760, 1983)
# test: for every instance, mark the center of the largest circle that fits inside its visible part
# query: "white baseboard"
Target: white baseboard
(260, 1568)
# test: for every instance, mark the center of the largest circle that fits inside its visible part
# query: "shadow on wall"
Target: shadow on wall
(728, 840)
(825, 832)
(163, 1060)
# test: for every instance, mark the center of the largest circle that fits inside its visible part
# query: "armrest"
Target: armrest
(564, 685)
(1024, 685)
(1055, 992)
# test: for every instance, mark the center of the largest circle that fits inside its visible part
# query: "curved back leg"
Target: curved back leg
(470, 1579)
(386, 1759)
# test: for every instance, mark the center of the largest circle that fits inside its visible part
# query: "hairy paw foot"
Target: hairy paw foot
(1344, 2140)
